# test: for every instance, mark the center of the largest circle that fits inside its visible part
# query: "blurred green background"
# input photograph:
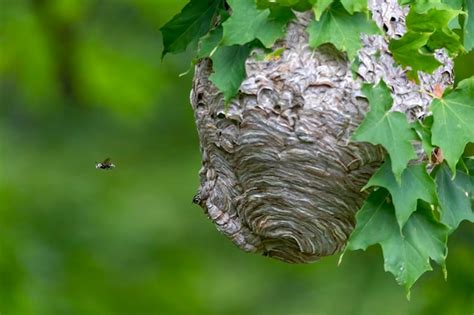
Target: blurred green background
(82, 80)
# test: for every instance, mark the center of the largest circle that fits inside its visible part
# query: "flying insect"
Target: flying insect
(105, 165)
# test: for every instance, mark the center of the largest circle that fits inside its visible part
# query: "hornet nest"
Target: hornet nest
(279, 173)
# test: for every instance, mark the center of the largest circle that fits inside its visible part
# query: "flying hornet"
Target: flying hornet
(105, 165)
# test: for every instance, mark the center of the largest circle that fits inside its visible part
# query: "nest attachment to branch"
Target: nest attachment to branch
(279, 173)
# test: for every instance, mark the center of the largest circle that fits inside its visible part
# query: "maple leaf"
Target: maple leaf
(389, 129)
(469, 25)
(428, 29)
(415, 184)
(407, 253)
(455, 196)
(228, 64)
(319, 6)
(355, 5)
(453, 121)
(340, 28)
(248, 23)
(423, 130)
(189, 25)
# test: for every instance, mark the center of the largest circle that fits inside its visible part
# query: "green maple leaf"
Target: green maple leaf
(468, 34)
(355, 5)
(455, 196)
(228, 63)
(406, 253)
(422, 6)
(270, 3)
(455, 4)
(428, 28)
(389, 129)
(209, 42)
(319, 6)
(375, 222)
(435, 20)
(248, 23)
(189, 25)
(351, 6)
(453, 121)
(423, 130)
(415, 184)
(341, 29)
(408, 51)
(298, 5)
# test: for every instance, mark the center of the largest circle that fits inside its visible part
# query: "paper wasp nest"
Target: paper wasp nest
(279, 175)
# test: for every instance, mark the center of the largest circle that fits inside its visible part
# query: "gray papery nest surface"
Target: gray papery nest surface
(279, 175)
